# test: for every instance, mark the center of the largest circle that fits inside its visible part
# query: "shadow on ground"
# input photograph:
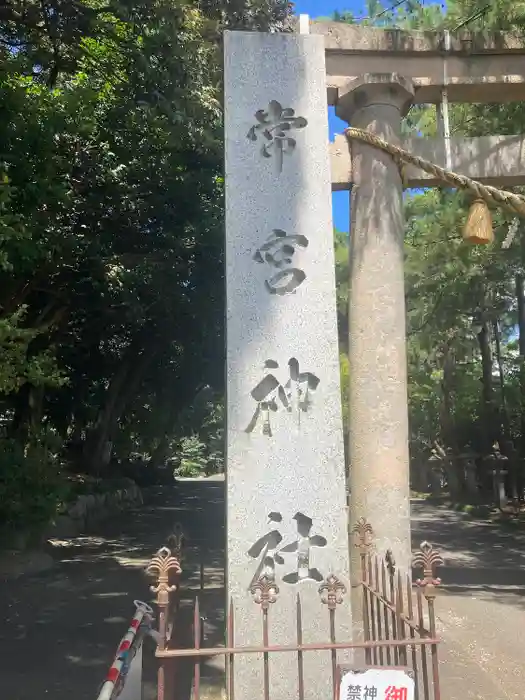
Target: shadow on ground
(64, 625)
(481, 558)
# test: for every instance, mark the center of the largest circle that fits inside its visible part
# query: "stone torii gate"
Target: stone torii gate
(474, 68)
(287, 519)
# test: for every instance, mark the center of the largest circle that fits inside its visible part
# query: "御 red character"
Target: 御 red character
(395, 693)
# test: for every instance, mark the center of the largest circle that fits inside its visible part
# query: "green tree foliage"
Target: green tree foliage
(111, 222)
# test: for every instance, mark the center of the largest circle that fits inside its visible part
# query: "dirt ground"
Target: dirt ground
(60, 628)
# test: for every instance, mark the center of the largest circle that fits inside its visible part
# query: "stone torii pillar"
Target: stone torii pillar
(378, 438)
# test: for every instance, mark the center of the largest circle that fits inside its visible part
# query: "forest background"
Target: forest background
(112, 245)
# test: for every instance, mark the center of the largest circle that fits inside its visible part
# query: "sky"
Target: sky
(325, 8)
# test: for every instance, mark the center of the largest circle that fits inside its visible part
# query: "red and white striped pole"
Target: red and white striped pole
(115, 671)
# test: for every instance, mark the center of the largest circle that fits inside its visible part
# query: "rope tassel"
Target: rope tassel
(478, 226)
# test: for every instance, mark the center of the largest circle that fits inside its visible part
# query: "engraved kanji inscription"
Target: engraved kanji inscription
(265, 549)
(302, 546)
(277, 252)
(268, 553)
(275, 125)
(294, 395)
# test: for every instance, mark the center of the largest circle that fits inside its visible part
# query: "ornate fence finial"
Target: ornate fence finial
(264, 591)
(427, 559)
(390, 562)
(162, 564)
(332, 591)
(365, 535)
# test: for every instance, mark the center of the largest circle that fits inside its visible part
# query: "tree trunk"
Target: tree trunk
(507, 444)
(120, 391)
(520, 296)
(504, 409)
(29, 399)
(488, 434)
(186, 392)
(455, 477)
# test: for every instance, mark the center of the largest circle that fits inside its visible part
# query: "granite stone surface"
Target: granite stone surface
(286, 505)
(377, 355)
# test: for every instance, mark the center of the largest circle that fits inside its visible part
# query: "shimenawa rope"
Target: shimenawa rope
(492, 195)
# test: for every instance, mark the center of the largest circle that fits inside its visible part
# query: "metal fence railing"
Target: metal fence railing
(396, 610)
(399, 627)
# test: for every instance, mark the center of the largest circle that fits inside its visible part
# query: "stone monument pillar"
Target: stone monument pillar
(378, 438)
(286, 506)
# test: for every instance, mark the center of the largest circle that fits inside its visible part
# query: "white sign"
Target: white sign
(376, 684)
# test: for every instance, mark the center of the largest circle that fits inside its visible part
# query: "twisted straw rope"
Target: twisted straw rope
(513, 202)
